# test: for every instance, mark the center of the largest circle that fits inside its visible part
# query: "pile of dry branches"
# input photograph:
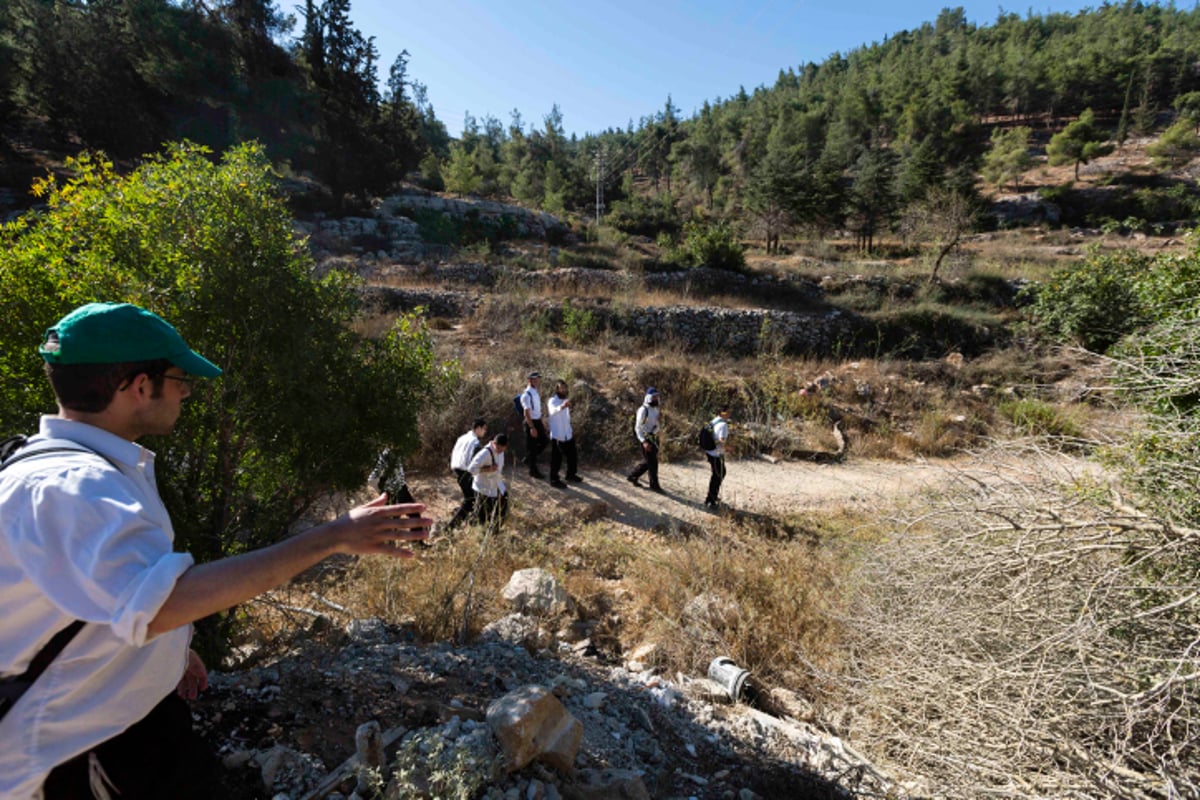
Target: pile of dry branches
(1030, 636)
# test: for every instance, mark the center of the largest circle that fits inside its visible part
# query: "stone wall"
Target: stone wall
(738, 332)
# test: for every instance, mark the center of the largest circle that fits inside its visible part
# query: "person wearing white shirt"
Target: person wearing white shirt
(87, 562)
(716, 457)
(645, 428)
(535, 429)
(464, 450)
(562, 437)
(491, 495)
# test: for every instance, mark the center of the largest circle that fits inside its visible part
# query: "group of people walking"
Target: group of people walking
(478, 463)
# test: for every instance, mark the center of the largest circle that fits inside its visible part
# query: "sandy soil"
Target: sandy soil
(751, 485)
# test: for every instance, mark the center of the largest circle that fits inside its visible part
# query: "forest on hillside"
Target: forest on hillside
(845, 144)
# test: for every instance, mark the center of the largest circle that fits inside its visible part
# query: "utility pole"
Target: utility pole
(599, 154)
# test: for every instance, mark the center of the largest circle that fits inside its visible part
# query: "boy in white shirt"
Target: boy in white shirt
(491, 495)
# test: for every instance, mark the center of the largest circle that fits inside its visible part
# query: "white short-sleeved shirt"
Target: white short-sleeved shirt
(83, 539)
(560, 419)
(464, 450)
(488, 484)
(531, 401)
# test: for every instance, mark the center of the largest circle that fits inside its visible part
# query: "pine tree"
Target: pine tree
(1079, 142)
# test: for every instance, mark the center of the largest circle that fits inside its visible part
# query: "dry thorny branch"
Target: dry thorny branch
(1033, 637)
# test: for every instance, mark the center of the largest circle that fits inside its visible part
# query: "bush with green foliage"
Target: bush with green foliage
(1092, 303)
(578, 324)
(714, 245)
(645, 216)
(305, 405)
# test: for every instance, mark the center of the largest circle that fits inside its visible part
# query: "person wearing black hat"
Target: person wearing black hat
(535, 429)
(464, 452)
(98, 608)
(645, 428)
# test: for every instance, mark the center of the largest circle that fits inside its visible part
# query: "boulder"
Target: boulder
(535, 591)
(530, 723)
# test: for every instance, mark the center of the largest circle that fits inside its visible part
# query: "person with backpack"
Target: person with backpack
(535, 429)
(645, 427)
(464, 451)
(487, 472)
(562, 437)
(712, 441)
(98, 608)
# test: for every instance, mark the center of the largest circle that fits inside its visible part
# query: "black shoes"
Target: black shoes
(633, 479)
(574, 479)
(656, 488)
(534, 472)
(557, 484)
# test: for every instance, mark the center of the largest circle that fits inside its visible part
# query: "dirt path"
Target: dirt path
(751, 485)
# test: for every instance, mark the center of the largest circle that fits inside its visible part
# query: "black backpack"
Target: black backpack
(518, 409)
(707, 439)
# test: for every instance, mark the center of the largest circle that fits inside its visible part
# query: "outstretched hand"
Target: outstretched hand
(382, 529)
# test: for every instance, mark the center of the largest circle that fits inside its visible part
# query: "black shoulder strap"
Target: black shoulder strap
(22, 453)
(47, 654)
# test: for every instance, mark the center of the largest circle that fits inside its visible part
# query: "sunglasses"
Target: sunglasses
(190, 380)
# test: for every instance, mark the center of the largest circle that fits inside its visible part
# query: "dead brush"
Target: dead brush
(1027, 636)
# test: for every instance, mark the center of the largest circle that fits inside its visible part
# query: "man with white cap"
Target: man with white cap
(645, 427)
(94, 639)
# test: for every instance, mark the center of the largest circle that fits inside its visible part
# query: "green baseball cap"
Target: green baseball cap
(113, 333)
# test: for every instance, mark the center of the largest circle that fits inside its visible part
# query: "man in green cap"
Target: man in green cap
(94, 640)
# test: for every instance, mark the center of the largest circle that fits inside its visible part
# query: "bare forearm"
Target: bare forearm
(209, 588)
(372, 528)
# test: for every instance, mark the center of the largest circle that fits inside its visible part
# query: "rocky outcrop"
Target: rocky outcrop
(524, 223)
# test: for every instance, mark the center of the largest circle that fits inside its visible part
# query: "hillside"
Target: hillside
(945, 282)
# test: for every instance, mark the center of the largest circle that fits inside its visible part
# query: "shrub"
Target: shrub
(1092, 303)
(714, 246)
(644, 216)
(1037, 418)
(305, 405)
(578, 324)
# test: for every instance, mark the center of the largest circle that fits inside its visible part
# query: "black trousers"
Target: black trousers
(718, 474)
(559, 451)
(464, 479)
(158, 757)
(649, 463)
(534, 446)
(491, 511)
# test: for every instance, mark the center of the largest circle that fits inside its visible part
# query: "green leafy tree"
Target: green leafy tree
(872, 201)
(305, 405)
(462, 173)
(1178, 145)
(553, 199)
(1188, 106)
(1008, 157)
(1079, 143)
(431, 173)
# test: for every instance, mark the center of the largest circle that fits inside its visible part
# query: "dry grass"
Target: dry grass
(1020, 636)
(756, 589)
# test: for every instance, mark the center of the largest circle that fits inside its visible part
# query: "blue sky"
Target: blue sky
(606, 62)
